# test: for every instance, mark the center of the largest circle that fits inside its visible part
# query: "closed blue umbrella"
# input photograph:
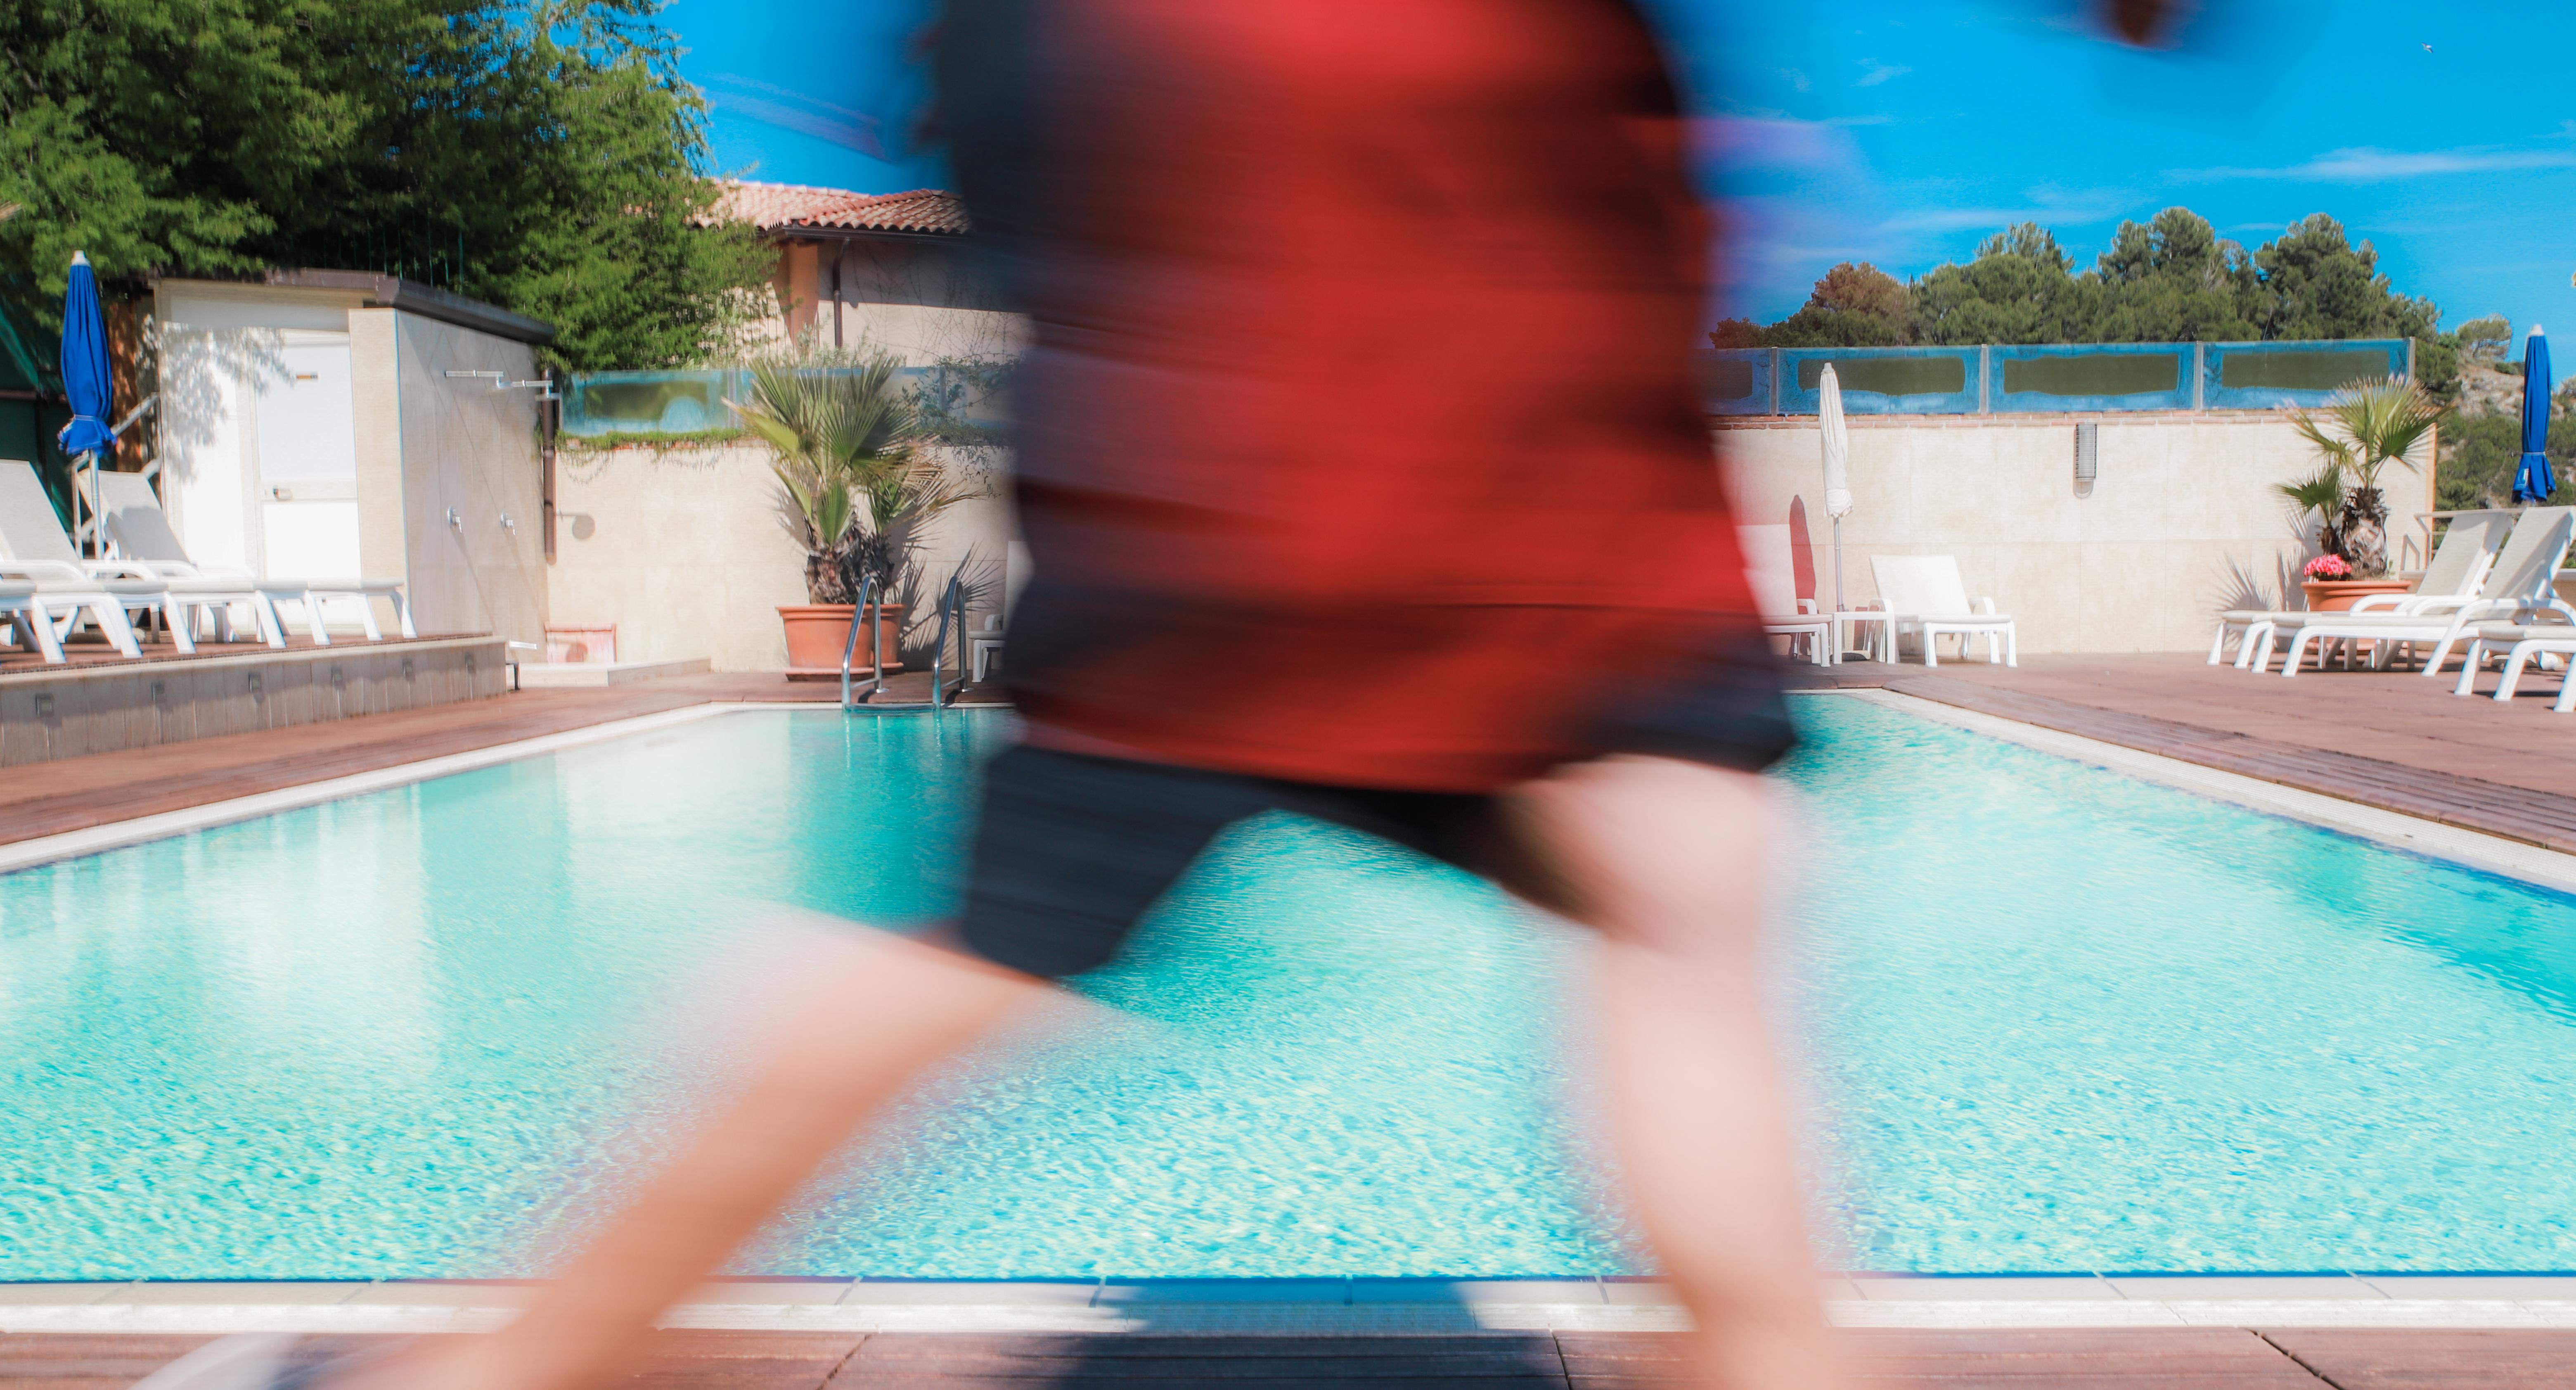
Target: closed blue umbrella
(85, 371)
(2533, 482)
(86, 377)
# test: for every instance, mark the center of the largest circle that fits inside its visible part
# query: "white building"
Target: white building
(343, 423)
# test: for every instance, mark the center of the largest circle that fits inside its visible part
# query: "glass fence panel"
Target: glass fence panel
(954, 401)
(1882, 381)
(2092, 376)
(1736, 381)
(2255, 376)
(665, 402)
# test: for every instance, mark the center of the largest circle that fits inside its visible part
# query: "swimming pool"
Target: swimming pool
(2059, 1020)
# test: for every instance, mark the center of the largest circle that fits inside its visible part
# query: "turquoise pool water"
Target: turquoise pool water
(2058, 1020)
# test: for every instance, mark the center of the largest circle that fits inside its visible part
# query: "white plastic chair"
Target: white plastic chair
(1770, 570)
(1924, 595)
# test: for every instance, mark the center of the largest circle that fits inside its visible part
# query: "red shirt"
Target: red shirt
(1358, 441)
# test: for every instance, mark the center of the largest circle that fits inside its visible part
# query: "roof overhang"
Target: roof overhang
(413, 297)
(855, 234)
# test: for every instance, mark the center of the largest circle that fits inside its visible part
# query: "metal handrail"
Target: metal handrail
(870, 612)
(951, 602)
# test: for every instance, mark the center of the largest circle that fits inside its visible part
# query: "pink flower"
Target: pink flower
(2327, 567)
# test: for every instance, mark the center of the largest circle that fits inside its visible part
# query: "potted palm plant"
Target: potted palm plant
(855, 485)
(2366, 427)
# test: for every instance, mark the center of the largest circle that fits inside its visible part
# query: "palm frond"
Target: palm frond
(837, 436)
(2321, 493)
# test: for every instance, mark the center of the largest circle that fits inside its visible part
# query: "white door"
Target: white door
(308, 467)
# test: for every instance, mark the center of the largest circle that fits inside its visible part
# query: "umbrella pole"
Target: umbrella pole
(1838, 566)
(97, 533)
(1839, 606)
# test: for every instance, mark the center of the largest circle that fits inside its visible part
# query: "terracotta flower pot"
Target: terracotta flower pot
(818, 632)
(2337, 595)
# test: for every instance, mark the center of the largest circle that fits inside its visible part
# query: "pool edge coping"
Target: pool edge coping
(98, 839)
(1293, 1307)
(2431, 839)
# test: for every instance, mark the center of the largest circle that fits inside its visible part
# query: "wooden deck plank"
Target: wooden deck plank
(2371, 1358)
(2386, 739)
(2200, 1358)
(2001, 1359)
(77, 793)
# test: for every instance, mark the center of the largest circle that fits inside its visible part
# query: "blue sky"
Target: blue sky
(2443, 131)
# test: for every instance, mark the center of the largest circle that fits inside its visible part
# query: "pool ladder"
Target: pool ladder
(869, 613)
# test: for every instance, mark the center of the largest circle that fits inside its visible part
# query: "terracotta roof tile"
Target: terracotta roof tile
(786, 207)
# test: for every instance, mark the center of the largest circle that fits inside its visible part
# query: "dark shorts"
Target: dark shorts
(1073, 849)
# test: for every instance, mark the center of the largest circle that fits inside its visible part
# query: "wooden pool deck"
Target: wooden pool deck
(2122, 1359)
(2387, 739)
(79, 793)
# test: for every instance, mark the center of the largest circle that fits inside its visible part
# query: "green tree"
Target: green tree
(540, 154)
(2171, 279)
(2482, 451)
(1854, 305)
(2317, 284)
(2485, 339)
(2174, 280)
(2017, 290)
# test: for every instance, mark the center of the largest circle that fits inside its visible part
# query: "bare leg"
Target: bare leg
(1667, 860)
(878, 1014)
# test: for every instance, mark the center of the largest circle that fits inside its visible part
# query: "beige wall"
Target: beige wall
(919, 299)
(2182, 521)
(683, 551)
(472, 448)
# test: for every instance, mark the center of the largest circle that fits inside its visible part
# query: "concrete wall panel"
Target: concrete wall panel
(682, 549)
(2181, 522)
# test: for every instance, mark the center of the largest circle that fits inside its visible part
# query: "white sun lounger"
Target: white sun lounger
(1923, 595)
(142, 533)
(34, 549)
(30, 620)
(2459, 565)
(2520, 644)
(2518, 589)
(1771, 569)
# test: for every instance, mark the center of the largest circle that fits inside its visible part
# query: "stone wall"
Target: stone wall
(64, 712)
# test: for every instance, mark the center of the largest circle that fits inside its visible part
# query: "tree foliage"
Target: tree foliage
(2017, 290)
(2485, 339)
(2481, 450)
(1853, 306)
(2170, 279)
(540, 154)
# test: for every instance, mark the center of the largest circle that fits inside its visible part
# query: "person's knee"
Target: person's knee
(1664, 853)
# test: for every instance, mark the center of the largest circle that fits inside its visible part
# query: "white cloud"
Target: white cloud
(2369, 165)
(793, 110)
(1879, 72)
(1795, 78)
(2050, 206)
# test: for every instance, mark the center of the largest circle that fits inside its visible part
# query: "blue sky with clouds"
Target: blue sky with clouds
(1903, 131)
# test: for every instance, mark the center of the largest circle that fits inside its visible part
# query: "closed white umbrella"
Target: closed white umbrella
(1837, 437)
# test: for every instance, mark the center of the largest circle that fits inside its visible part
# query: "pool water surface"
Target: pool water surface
(2056, 1020)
